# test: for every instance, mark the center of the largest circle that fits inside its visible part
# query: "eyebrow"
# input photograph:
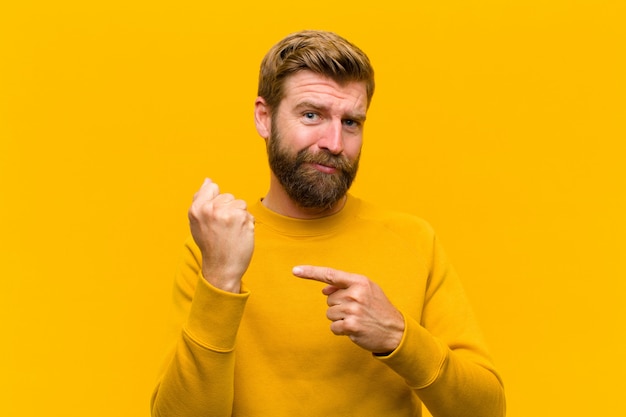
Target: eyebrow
(359, 117)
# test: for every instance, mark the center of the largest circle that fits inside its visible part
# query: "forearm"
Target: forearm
(464, 388)
(451, 382)
(198, 380)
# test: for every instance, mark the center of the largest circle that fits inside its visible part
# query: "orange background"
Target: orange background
(500, 122)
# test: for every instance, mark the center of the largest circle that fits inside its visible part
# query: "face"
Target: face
(315, 138)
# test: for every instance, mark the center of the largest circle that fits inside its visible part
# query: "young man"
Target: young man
(252, 334)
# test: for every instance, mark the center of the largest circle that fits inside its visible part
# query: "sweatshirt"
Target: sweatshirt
(268, 351)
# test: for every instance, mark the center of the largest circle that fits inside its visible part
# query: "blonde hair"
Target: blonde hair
(321, 52)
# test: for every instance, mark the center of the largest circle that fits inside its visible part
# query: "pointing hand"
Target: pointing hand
(358, 308)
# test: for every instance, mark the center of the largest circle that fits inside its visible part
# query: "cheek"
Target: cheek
(301, 137)
(298, 136)
(352, 148)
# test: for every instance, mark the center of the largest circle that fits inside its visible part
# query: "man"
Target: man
(252, 337)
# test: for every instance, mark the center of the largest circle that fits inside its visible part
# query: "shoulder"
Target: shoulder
(391, 217)
(407, 225)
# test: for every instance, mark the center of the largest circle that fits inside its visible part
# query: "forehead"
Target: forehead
(309, 86)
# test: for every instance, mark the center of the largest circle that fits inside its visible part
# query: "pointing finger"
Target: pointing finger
(334, 277)
(208, 191)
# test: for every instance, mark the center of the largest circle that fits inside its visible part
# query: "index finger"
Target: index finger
(334, 277)
(208, 191)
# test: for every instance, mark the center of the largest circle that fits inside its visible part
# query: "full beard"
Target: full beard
(305, 185)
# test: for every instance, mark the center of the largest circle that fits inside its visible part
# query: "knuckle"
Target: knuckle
(353, 309)
(213, 187)
(329, 275)
(225, 216)
(350, 326)
(193, 212)
(357, 294)
(336, 328)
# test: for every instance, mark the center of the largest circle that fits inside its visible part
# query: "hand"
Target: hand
(358, 308)
(224, 231)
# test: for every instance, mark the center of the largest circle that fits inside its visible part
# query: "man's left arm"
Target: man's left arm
(443, 358)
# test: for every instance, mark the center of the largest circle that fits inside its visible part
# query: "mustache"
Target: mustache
(340, 162)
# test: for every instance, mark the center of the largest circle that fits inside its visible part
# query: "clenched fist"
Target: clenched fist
(224, 231)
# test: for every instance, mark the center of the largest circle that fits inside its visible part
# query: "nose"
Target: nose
(332, 138)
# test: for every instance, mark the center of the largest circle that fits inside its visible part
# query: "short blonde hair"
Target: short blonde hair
(321, 52)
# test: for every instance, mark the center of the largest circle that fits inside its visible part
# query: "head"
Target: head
(314, 161)
(324, 53)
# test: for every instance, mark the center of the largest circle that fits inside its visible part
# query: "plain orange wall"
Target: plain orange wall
(500, 122)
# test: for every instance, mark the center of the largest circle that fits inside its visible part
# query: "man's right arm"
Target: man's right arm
(209, 301)
(198, 377)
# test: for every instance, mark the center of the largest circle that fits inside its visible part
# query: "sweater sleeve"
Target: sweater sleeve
(198, 377)
(443, 357)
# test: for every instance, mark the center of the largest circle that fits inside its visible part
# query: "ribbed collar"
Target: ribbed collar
(299, 227)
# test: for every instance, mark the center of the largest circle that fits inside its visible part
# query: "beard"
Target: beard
(305, 185)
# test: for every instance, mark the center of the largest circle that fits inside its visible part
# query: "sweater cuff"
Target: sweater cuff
(215, 315)
(419, 358)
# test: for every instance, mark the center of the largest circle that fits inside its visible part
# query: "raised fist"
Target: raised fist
(224, 231)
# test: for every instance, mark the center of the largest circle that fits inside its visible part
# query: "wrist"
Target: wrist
(222, 281)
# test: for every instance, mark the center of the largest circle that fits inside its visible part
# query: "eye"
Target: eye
(310, 117)
(351, 123)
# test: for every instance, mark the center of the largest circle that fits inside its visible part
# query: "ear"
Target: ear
(262, 118)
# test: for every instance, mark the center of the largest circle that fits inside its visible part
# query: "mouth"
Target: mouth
(326, 169)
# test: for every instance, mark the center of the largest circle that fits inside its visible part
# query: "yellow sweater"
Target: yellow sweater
(269, 352)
